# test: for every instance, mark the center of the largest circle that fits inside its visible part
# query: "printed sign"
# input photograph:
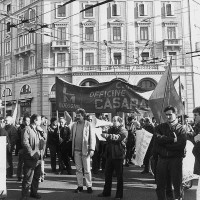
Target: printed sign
(143, 139)
(3, 191)
(113, 96)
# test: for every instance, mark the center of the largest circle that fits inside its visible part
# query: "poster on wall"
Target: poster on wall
(108, 97)
(3, 190)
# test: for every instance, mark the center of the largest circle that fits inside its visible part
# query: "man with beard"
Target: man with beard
(12, 135)
(171, 141)
(83, 146)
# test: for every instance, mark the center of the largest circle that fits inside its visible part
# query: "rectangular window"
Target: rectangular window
(117, 58)
(61, 11)
(89, 33)
(32, 62)
(145, 56)
(171, 32)
(144, 33)
(116, 33)
(32, 15)
(21, 4)
(31, 38)
(169, 10)
(142, 9)
(173, 55)
(116, 10)
(20, 66)
(21, 41)
(8, 27)
(8, 8)
(7, 47)
(7, 70)
(61, 33)
(89, 59)
(61, 62)
(89, 13)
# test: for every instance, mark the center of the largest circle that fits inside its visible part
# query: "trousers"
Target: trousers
(169, 168)
(83, 162)
(31, 171)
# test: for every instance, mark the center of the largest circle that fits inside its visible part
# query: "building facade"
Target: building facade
(127, 39)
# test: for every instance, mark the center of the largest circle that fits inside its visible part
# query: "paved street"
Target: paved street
(136, 186)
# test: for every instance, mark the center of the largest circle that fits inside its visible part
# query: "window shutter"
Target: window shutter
(172, 9)
(145, 9)
(118, 10)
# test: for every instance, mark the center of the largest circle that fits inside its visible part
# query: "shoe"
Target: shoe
(78, 190)
(118, 198)
(103, 195)
(35, 196)
(144, 172)
(131, 162)
(89, 190)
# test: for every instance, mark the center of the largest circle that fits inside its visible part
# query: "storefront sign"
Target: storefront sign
(113, 96)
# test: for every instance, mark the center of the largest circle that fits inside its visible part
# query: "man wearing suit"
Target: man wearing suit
(83, 146)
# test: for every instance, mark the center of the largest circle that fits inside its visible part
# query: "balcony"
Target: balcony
(60, 44)
(173, 43)
(117, 68)
(24, 49)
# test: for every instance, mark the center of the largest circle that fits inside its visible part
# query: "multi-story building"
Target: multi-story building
(128, 39)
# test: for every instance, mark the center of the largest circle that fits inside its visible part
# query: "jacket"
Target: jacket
(89, 140)
(116, 142)
(12, 135)
(32, 143)
(164, 144)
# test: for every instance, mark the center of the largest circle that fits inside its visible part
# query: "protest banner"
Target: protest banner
(143, 139)
(3, 191)
(114, 96)
(188, 163)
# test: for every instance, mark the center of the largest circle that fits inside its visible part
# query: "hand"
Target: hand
(91, 153)
(104, 135)
(197, 138)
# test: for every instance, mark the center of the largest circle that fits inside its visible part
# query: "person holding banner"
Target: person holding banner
(32, 142)
(115, 154)
(170, 142)
(83, 146)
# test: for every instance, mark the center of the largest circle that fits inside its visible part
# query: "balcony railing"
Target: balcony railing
(173, 42)
(29, 47)
(60, 43)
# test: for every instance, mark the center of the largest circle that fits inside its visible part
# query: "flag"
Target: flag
(165, 94)
(14, 115)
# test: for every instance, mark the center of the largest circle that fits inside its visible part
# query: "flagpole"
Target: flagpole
(166, 86)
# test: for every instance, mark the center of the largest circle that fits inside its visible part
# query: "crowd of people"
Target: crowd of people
(76, 142)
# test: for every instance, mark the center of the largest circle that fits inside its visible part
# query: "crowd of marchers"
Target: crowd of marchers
(75, 143)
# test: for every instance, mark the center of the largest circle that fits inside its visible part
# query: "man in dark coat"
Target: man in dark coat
(171, 141)
(115, 153)
(12, 135)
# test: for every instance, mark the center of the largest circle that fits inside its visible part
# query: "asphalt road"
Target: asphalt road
(60, 187)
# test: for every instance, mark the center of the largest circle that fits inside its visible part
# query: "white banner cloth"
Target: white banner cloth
(143, 139)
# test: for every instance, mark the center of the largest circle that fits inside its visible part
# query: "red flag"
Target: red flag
(165, 94)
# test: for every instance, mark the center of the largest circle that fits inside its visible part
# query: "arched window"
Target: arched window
(7, 91)
(88, 82)
(147, 83)
(26, 89)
